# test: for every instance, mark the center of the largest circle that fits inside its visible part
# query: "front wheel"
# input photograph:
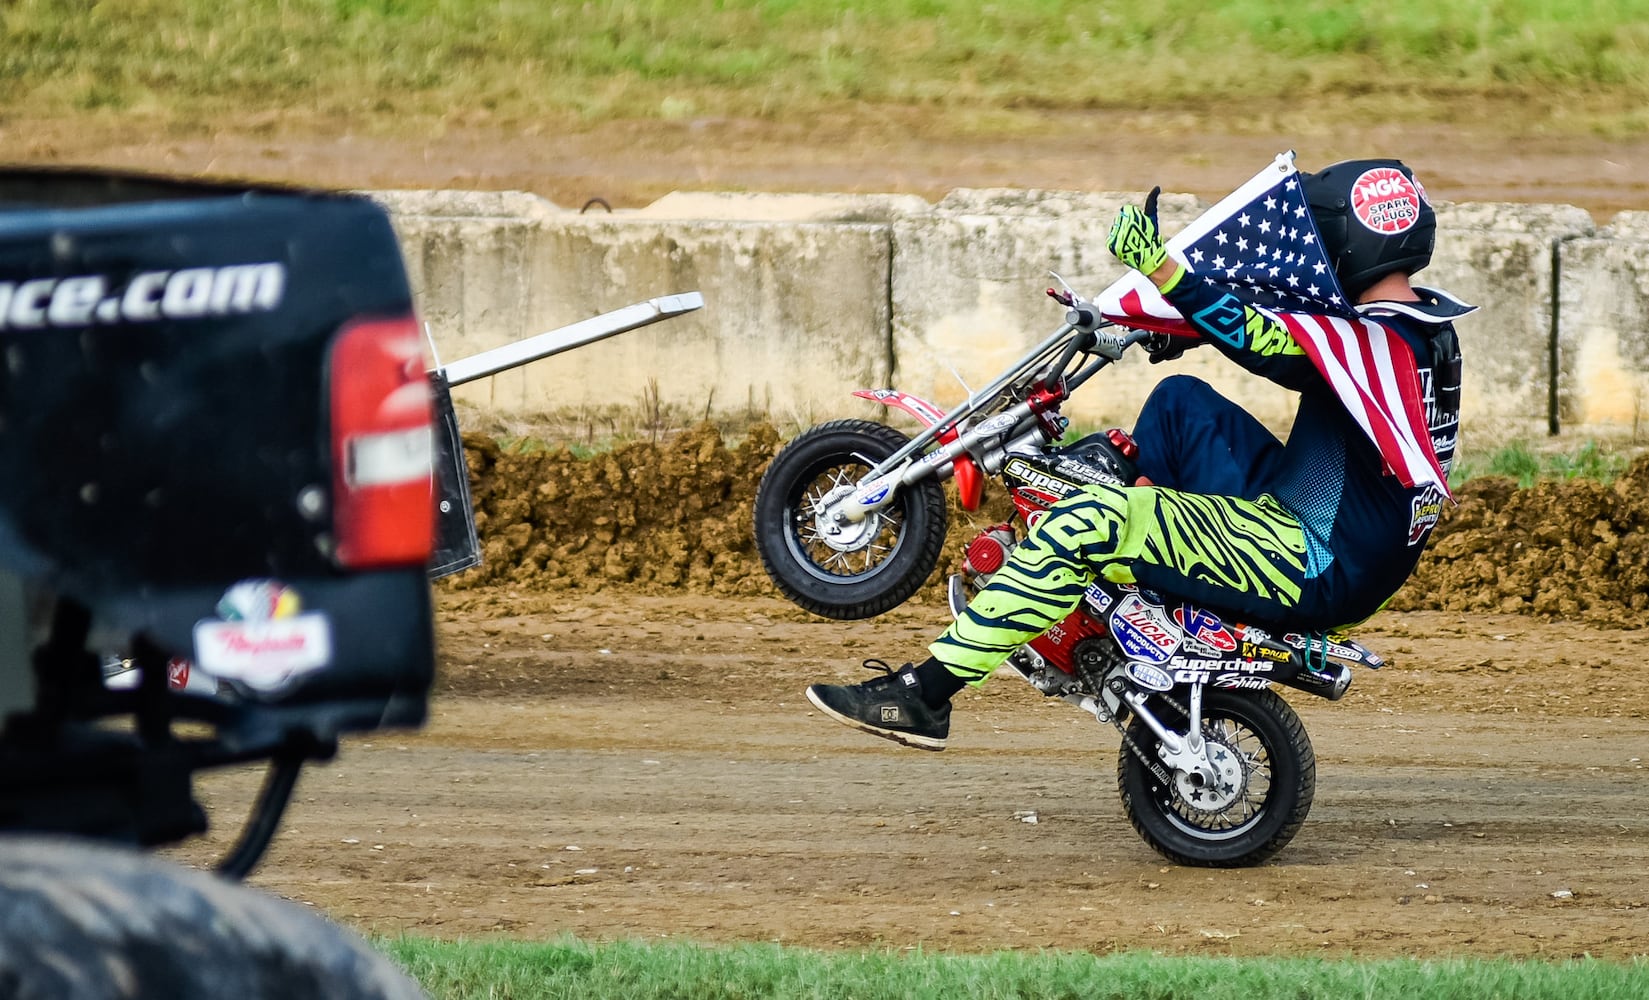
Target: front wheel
(1269, 771)
(845, 571)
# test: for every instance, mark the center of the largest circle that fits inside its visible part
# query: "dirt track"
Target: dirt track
(623, 766)
(615, 764)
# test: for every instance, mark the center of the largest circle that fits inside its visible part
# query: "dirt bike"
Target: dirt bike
(1215, 768)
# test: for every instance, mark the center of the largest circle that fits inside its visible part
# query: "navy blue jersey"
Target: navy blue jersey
(1364, 530)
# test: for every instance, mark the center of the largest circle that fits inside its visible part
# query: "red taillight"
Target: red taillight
(382, 446)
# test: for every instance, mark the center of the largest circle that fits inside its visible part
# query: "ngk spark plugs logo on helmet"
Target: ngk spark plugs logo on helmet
(1143, 630)
(148, 297)
(1385, 200)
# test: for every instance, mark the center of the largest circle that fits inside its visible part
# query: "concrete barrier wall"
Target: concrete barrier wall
(1602, 334)
(811, 296)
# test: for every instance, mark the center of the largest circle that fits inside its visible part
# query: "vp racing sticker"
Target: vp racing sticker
(1205, 627)
(263, 637)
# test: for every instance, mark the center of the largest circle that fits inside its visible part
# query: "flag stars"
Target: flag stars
(1270, 204)
(1242, 244)
(1261, 250)
(1220, 238)
(1265, 226)
(1219, 263)
(1196, 256)
(1242, 220)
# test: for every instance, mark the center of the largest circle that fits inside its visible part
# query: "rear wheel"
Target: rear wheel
(1268, 778)
(845, 571)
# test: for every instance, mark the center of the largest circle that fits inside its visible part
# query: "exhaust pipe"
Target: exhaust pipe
(1331, 682)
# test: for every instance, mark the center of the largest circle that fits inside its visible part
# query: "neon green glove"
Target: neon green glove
(1135, 239)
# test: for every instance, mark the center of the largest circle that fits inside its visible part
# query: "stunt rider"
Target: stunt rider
(1318, 532)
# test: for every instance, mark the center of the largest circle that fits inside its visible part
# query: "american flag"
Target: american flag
(1261, 242)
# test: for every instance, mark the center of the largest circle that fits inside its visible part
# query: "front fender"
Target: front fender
(970, 480)
(925, 412)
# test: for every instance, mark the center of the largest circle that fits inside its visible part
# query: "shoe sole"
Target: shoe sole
(908, 739)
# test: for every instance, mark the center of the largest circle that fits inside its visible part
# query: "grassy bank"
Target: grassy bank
(518, 60)
(508, 970)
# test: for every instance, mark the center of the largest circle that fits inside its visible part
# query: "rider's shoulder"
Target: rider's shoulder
(1434, 307)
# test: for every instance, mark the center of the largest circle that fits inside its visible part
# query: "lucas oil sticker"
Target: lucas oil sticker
(1143, 631)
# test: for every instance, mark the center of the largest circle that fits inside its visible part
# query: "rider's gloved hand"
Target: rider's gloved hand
(1135, 237)
(1160, 347)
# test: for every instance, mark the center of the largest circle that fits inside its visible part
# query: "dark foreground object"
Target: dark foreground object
(89, 922)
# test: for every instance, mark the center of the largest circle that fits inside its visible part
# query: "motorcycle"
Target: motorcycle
(1215, 768)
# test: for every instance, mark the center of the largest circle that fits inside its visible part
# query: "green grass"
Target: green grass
(511, 970)
(519, 60)
(1530, 465)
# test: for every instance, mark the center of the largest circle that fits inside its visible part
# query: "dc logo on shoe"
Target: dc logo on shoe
(890, 713)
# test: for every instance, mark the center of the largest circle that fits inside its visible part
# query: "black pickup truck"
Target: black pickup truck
(215, 455)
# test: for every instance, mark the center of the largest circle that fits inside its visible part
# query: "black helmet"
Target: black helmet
(1374, 219)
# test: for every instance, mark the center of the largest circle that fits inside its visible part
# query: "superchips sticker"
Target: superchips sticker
(1385, 200)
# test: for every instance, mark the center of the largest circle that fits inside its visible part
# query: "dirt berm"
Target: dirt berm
(677, 516)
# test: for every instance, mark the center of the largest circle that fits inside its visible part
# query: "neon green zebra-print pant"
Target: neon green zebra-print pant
(1226, 551)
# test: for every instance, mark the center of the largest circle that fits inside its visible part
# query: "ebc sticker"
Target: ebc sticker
(1385, 201)
(1147, 676)
(1143, 631)
(1097, 598)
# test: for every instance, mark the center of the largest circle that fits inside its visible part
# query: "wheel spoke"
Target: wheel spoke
(1256, 767)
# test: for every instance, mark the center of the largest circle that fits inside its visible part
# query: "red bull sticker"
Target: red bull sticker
(1385, 200)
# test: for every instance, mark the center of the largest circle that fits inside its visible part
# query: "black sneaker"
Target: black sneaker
(890, 707)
